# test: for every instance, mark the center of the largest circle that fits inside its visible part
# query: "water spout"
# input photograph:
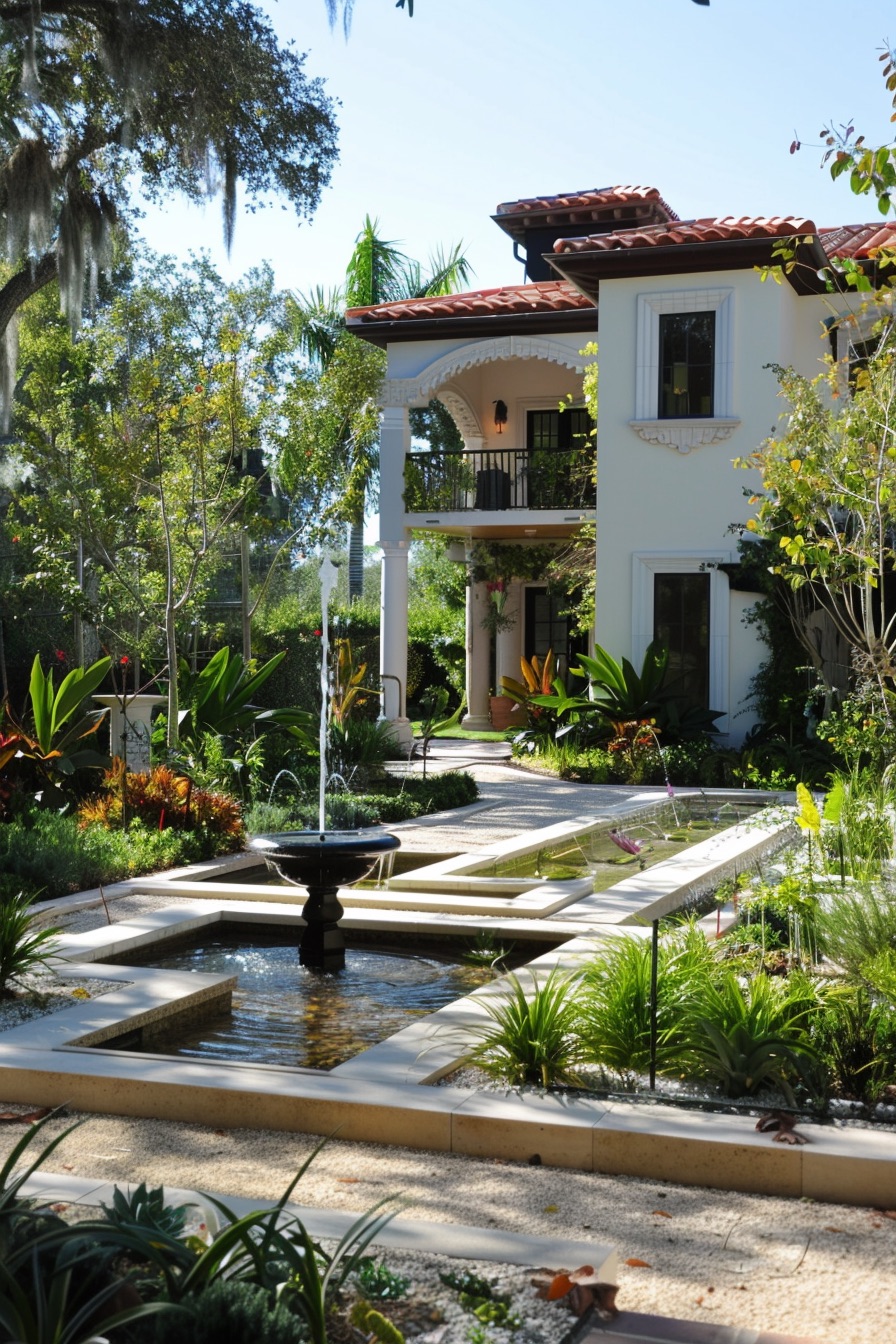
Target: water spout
(327, 586)
(277, 778)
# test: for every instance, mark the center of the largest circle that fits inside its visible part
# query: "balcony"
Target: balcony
(507, 478)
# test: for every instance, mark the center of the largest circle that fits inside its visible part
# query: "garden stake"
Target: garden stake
(654, 959)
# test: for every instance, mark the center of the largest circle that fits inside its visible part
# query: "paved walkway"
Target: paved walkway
(512, 799)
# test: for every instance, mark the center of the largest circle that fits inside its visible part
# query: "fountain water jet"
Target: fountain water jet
(323, 861)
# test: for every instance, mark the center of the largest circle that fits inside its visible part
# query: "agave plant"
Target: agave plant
(754, 1035)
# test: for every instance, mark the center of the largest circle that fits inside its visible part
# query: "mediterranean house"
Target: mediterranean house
(687, 331)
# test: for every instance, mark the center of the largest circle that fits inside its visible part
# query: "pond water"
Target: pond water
(285, 1014)
(605, 853)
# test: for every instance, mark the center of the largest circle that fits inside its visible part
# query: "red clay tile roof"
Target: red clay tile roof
(727, 229)
(544, 296)
(859, 241)
(596, 198)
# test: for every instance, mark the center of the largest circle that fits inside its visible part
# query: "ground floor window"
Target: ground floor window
(681, 623)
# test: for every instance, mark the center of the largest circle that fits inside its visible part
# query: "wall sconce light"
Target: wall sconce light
(500, 415)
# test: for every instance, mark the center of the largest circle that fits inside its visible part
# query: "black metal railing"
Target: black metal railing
(507, 478)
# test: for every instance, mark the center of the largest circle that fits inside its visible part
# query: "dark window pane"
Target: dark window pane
(558, 429)
(544, 430)
(687, 364)
(681, 624)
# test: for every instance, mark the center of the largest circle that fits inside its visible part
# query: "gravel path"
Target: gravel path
(740, 1260)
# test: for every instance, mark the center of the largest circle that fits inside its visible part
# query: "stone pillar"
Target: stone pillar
(478, 658)
(395, 442)
(130, 729)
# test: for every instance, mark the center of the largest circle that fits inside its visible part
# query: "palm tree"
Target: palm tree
(377, 272)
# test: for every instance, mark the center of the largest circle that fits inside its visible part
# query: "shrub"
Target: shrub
(615, 1001)
(857, 923)
(164, 798)
(856, 1039)
(50, 855)
(749, 1036)
(533, 1036)
(23, 947)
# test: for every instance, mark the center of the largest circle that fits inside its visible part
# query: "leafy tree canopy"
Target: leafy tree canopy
(189, 96)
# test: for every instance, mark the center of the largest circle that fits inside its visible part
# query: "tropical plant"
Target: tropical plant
(533, 1033)
(52, 733)
(63, 1298)
(619, 692)
(348, 691)
(435, 717)
(162, 797)
(23, 946)
(855, 1036)
(615, 1001)
(860, 822)
(748, 1036)
(217, 699)
(19, 1166)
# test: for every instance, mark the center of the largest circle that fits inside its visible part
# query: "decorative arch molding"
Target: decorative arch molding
(413, 391)
(461, 413)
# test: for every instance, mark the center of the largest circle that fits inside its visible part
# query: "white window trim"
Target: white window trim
(645, 566)
(685, 432)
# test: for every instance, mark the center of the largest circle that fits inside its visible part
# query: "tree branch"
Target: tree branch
(26, 281)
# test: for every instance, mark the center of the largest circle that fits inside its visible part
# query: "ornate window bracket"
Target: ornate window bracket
(685, 434)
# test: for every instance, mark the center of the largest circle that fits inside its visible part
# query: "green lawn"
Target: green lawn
(485, 736)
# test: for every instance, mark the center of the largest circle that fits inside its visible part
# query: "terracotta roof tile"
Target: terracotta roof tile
(858, 241)
(544, 296)
(728, 229)
(596, 198)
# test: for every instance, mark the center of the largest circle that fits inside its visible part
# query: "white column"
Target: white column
(509, 642)
(395, 442)
(478, 658)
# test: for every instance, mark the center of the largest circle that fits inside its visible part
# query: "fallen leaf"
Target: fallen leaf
(24, 1118)
(66, 1166)
(551, 1208)
(638, 1264)
(661, 1213)
(349, 1180)
(834, 1229)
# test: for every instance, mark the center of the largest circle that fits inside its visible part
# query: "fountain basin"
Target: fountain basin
(323, 861)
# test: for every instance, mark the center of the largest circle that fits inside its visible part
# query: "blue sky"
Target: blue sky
(474, 102)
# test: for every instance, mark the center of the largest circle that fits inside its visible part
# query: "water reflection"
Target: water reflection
(286, 1014)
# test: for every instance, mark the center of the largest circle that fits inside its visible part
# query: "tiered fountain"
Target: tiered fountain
(322, 860)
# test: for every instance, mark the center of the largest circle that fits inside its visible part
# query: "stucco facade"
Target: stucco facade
(669, 500)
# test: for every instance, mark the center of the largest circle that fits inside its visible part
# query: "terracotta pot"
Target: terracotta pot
(505, 713)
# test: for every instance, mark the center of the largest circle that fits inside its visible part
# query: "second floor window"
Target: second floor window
(546, 430)
(686, 364)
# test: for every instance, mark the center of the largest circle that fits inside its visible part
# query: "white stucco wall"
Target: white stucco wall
(652, 498)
